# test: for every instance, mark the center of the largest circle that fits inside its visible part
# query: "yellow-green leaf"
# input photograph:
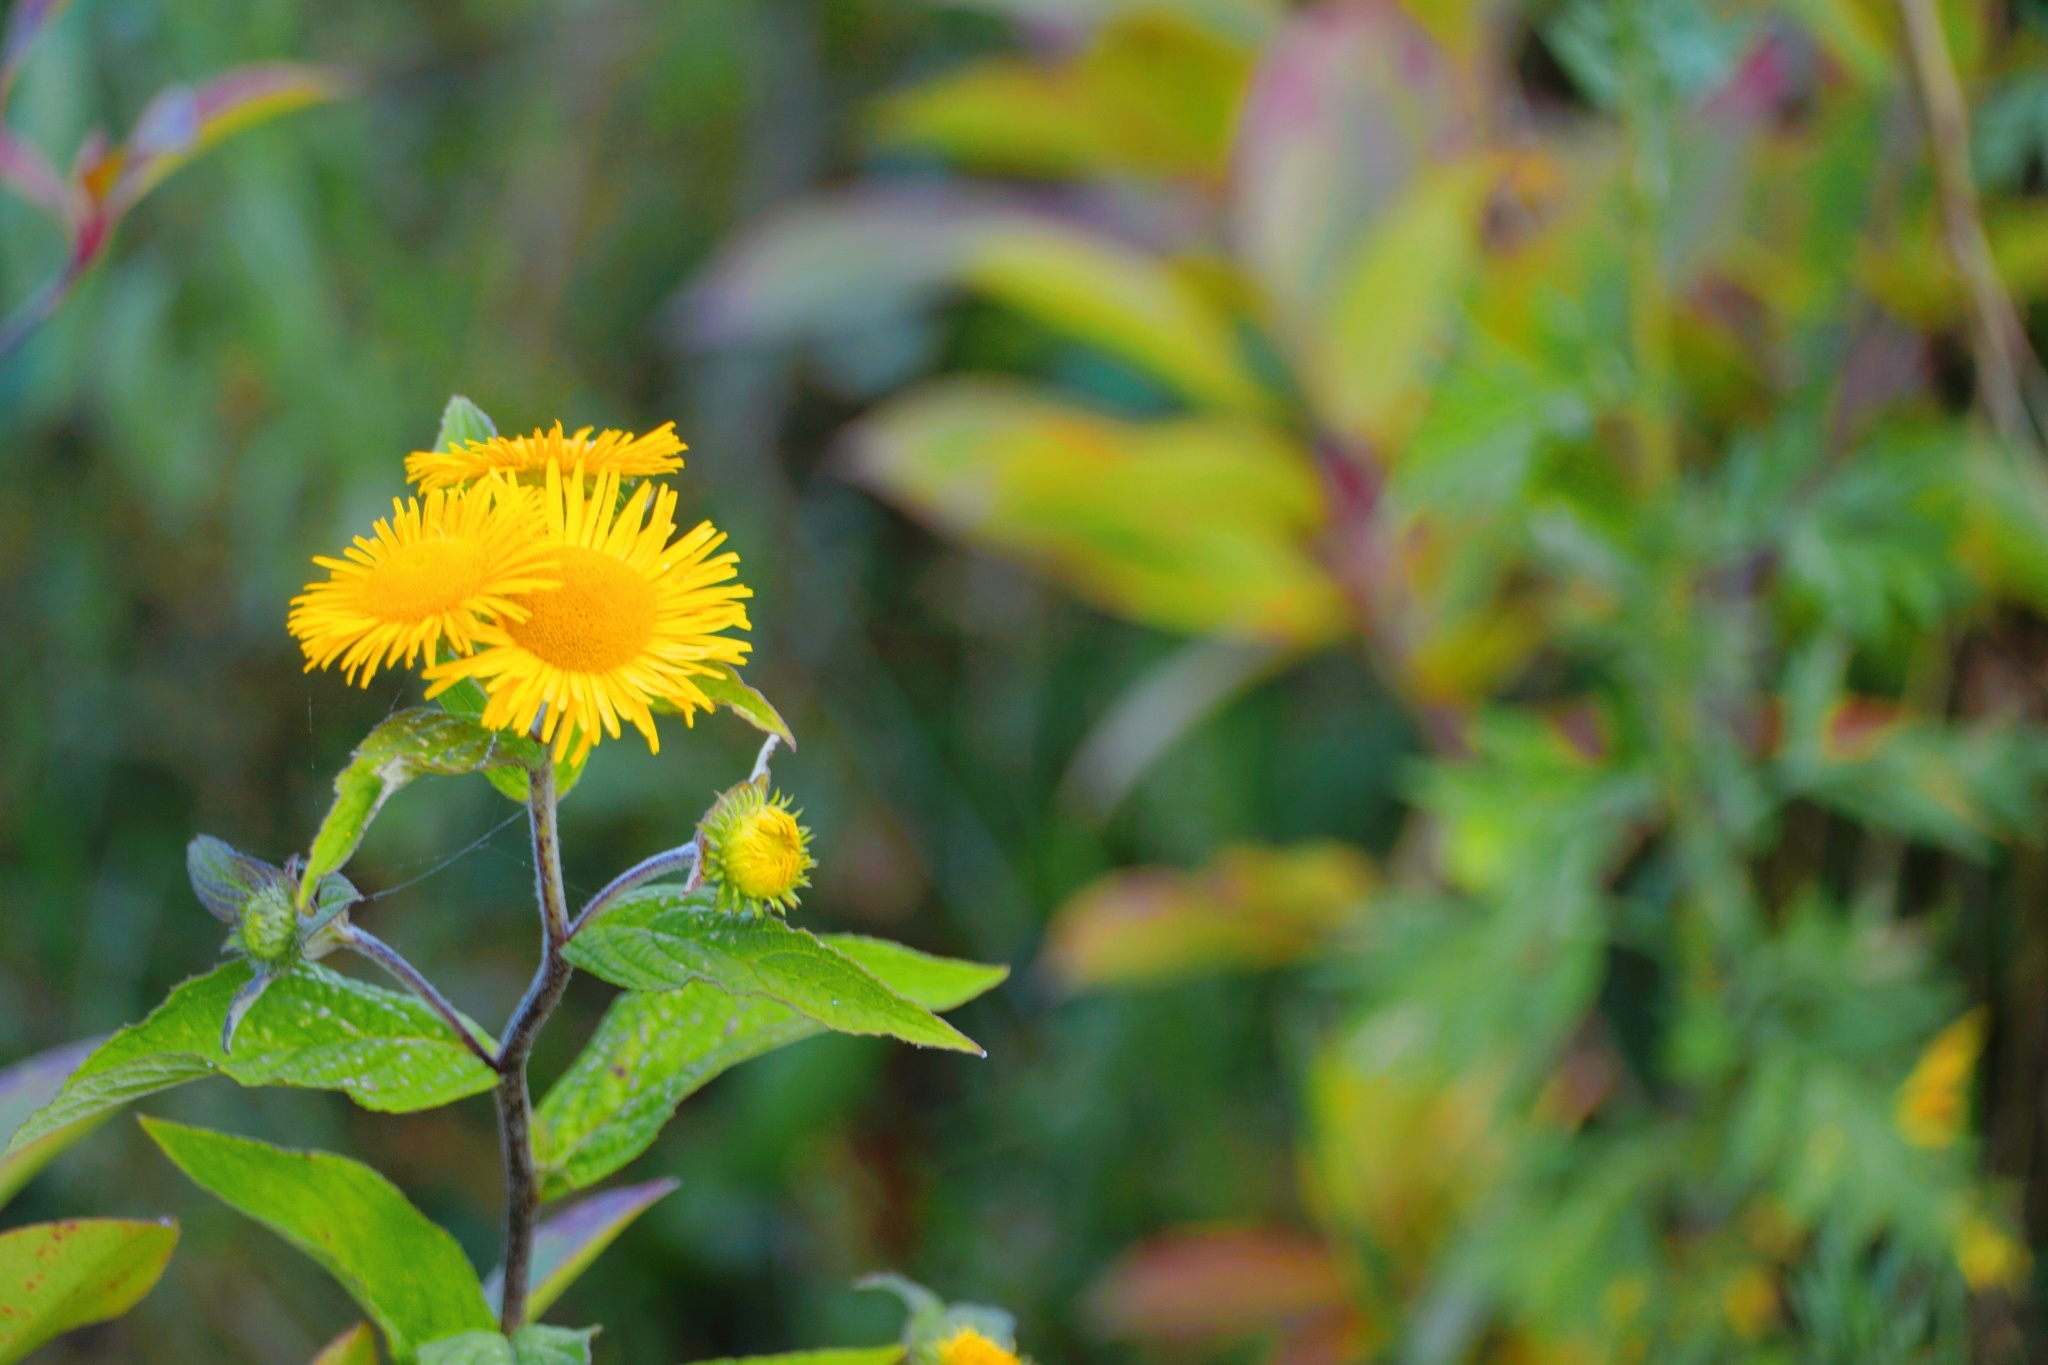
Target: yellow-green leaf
(1386, 326)
(356, 1346)
(1129, 303)
(1250, 908)
(55, 1277)
(1202, 526)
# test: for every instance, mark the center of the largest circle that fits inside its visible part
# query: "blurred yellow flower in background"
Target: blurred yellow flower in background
(1988, 1258)
(1934, 1102)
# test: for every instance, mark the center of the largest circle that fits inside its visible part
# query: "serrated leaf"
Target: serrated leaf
(413, 743)
(660, 938)
(653, 1050)
(728, 689)
(850, 1355)
(566, 1244)
(25, 1088)
(1125, 301)
(55, 1277)
(1201, 526)
(463, 422)
(530, 1345)
(409, 1275)
(313, 1029)
(356, 1346)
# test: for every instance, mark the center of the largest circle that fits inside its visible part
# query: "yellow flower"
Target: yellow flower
(634, 617)
(754, 849)
(1987, 1257)
(1750, 1302)
(969, 1347)
(436, 573)
(1934, 1102)
(609, 452)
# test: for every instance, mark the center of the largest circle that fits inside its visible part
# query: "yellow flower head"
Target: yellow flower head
(436, 573)
(755, 850)
(1934, 1103)
(969, 1347)
(634, 616)
(609, 452)
(1988, 1258)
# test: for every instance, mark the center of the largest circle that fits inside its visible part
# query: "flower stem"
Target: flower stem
(361, 940)
(515, 1105)
(660, 865)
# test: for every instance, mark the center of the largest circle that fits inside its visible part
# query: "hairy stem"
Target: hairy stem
(641, 873)
(515, 1105)
(1998, 338)
(362, 941)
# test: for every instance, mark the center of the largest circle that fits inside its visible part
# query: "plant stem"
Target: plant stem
(384, 955)
(1647, 148)
(660, 865)
(1998, 338)
(515, 1106)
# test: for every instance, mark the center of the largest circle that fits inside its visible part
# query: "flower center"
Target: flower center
(767, 854)
(601, 617)
(422, 580)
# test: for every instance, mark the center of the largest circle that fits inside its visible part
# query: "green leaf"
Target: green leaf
(463, 422)
(660, 938)
(1203, 526)
(565, 1245)
(531, 1345)
(313, 1029)
(356, 1346)
(413, 743)
(1125, 301)
(851, 1355)
(736, 695)
(408, 1275)
(55, 1277)
(26, 1087)
(655, 1049)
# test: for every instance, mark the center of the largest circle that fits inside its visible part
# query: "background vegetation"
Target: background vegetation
(1619, 564)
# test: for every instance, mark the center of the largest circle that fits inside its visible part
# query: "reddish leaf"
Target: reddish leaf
(1200, 1283)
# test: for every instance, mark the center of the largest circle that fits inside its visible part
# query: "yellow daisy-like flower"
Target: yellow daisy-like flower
(609, 452)
(755, 850)
(1934, 1103)
(437, 572)
(969, 1347)
(634, 616)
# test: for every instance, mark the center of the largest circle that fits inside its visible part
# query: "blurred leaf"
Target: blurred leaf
(529, 1345)
(1120, 299)
(1200, 526)
(55, 1277)
(854, 1355)
(1395, 299)
(182, 121)
(26, 22)
(566, 1244)
(413, 743)
(356, 1346)
(1353, 99)
(25, 170)
(1249, 909)
(1196, 1284)
(25, 1088)
(653, 1050)
(1153, 94)
(660, 938)
(406, 1273)
(463, 422)
(728, 689)
(313, 1029)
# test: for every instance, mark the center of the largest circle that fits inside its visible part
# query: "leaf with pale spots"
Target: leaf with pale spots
(655, 1049)
(420, 742)
(55, 1277)
(530, 1345)
(409, 1275)
(662, 938)
(313, 1029)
